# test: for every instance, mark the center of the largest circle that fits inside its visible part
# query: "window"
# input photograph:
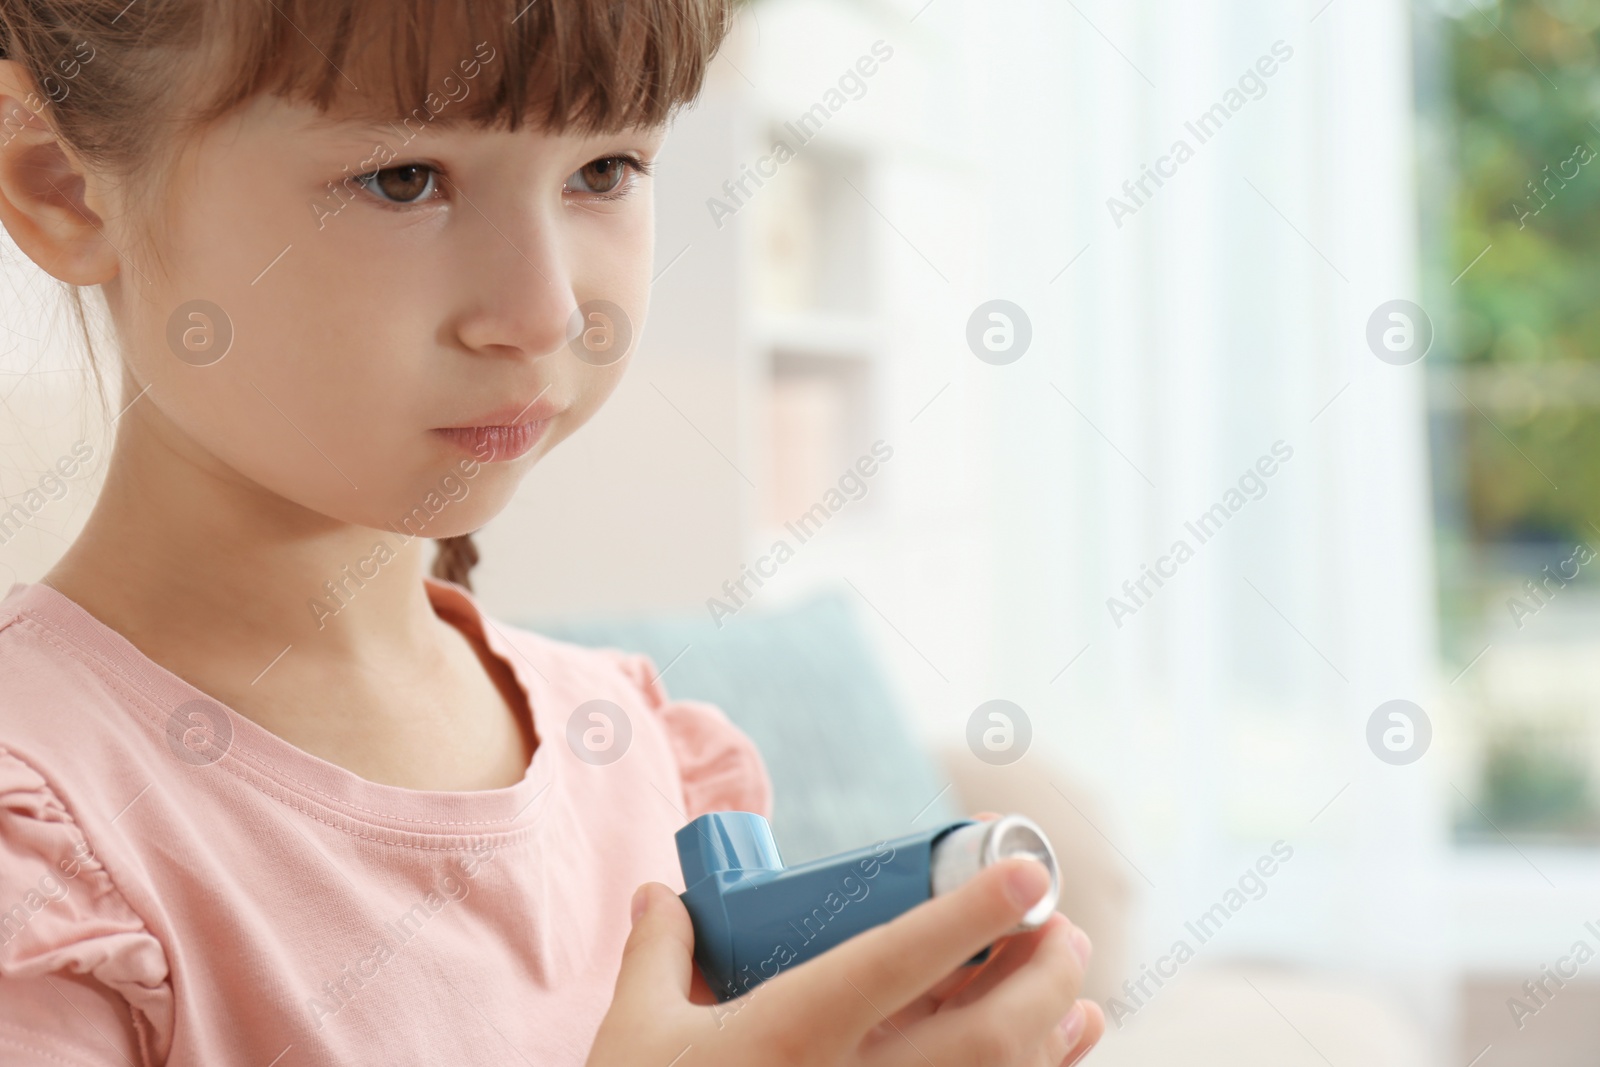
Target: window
(1509, 92)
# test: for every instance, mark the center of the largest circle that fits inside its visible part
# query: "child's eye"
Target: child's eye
(608, 179)
(405, 184)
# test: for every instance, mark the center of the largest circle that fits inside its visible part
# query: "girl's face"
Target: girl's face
(316, 340)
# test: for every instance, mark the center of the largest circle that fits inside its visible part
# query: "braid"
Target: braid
(457, 556)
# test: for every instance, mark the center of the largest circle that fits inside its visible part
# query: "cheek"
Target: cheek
(609, 258)
(592, 386)
(269, 352)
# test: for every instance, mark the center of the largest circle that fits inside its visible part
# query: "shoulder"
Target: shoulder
(719, 764)
(65, 918)
(47, 658)
(70, 759)
(63, 703)
(31, 652)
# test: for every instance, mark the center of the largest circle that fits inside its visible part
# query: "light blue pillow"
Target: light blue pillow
(846, 770)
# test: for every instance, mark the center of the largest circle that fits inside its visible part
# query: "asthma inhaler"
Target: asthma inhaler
(753, 917)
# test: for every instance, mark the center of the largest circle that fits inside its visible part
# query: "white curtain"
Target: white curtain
(1180, 332)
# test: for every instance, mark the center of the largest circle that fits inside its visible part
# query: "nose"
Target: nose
(517, 285)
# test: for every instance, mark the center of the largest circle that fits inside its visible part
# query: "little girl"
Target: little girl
(269, 796)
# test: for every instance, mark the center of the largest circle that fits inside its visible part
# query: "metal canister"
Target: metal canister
(966, 850)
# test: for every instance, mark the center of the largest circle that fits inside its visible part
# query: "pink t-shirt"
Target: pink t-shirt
(180, 886)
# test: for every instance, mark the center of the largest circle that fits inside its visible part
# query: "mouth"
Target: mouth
(495, 444)
(504, 433)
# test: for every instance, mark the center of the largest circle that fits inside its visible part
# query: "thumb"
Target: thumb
(658, 958)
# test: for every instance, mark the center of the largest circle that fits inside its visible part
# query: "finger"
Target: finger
(880, 971)
(700, 993)
(931, 1001)
(951, 990)
(956, 988)
(987, 816)
(950, 983)
(1094, 1028)
(1012, 953)
(1018, 1019)
(658, 957)
(935, 998)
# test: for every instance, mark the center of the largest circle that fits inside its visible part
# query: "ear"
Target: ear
(48, 199)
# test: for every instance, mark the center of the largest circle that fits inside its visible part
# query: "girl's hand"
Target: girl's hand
(896, 994)
(962, 985)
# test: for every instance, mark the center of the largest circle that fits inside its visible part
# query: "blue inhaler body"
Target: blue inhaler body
(754, 918)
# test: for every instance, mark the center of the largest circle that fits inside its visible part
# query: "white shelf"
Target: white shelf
(819, 333)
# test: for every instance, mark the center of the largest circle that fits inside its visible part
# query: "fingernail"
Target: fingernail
(1027, 883)
(1071, 1025)
(1081, 947)
(640, 897)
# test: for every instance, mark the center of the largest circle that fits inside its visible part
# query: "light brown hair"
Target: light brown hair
(162, 71)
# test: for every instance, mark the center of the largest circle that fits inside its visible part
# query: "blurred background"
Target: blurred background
(1194, 380)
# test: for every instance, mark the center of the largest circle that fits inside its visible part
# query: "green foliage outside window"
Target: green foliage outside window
(1524, 82)
(1510, 187)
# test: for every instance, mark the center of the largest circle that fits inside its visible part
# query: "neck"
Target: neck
(186, 552)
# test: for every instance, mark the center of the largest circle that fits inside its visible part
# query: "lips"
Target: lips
(506, 432)
(515, 413)
(495, 444)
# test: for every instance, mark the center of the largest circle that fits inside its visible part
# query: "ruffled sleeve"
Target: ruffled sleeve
(721, 767)
(82, 981)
